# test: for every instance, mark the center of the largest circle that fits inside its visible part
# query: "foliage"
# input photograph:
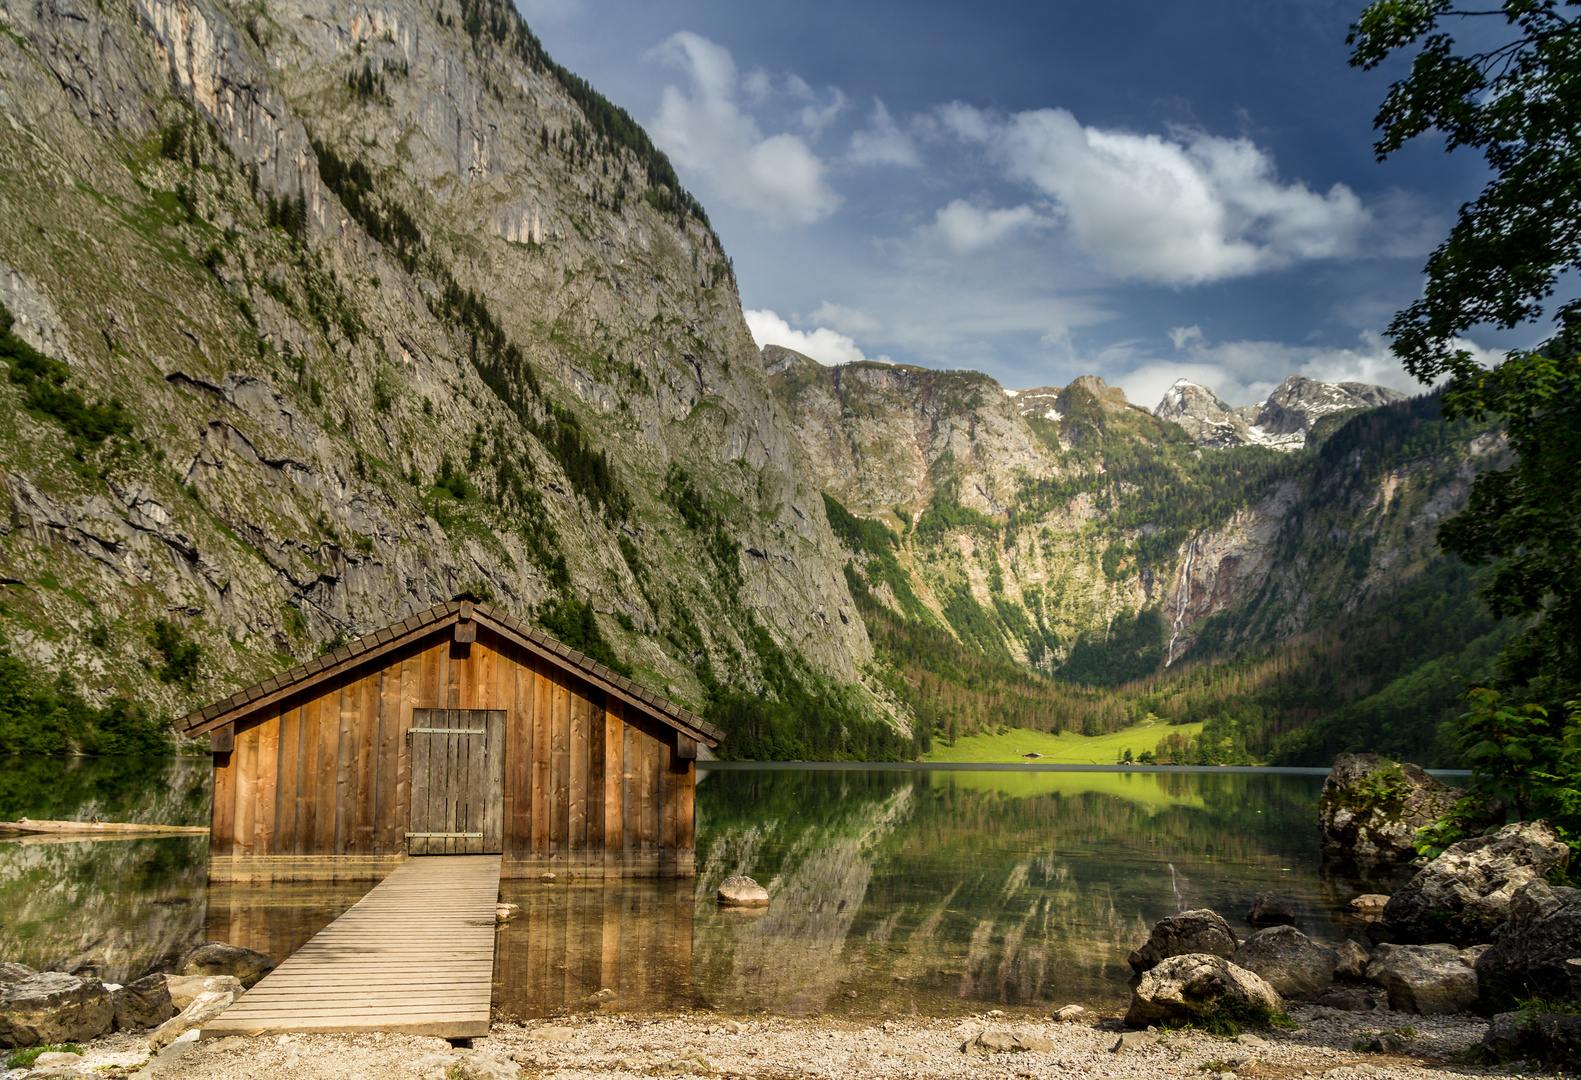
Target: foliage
(802, 717)
(24, 1058)
(572, 622)
(44, 391)
(181, 654)
(1513, 96)
(1526, 520)
(1132, 648)
(55, 719)
(701, 518)
(876, 544)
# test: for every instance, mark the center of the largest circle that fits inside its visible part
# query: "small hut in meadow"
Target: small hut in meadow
(457, 731)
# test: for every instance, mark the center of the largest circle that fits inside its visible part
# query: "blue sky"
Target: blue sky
(1138, 190)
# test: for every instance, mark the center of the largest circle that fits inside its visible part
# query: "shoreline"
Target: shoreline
(708, 1044)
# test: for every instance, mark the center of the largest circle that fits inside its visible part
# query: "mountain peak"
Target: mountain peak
(1283, 421)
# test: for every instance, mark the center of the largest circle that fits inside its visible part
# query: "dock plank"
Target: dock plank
(415, 956)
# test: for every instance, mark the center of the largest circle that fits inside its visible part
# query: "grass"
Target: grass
(1067, 748)
(22, 1059)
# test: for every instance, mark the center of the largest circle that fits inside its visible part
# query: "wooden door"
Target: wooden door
(458, 782)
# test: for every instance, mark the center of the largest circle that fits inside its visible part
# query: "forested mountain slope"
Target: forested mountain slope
(1066, 530)
(324, 312)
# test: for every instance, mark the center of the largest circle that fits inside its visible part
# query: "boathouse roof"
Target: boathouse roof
(425, 624)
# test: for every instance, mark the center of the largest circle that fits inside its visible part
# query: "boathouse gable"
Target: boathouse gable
(458, 731)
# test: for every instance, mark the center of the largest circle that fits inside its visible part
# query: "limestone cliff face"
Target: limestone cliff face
(328, 254)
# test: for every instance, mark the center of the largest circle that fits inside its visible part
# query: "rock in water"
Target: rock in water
(218, 958)
(1538, 953)
(53, 1008)
(1465, 894)
(1192, 987)
(1268, 910)
(1196, 931)
(142, 1004)
(184, 988)
(1371, 808)
(1424, 978)
(1289, 961)
(741, 891)
(1370, 905)
(504, 913)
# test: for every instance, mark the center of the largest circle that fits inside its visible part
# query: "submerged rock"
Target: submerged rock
(1371, 808)
(53, 1007)
(1289, 961)
(1194, 986)
(1268, 910)
(1197, 931)
(741, 891)
(218, 958)
(1465, 894)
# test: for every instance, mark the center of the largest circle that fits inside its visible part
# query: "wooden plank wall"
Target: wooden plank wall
(634, 938)
(586, 791)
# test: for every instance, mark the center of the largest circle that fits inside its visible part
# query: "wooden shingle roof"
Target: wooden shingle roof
(431, 621)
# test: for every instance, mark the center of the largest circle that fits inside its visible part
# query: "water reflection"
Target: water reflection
(892, 890)
(934, 891)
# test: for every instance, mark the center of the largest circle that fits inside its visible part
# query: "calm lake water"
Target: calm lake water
(893, 889)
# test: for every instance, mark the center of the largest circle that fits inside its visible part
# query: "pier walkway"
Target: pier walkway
(416, 955)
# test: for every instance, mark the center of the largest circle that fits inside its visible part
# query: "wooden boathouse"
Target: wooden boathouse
(457, 731)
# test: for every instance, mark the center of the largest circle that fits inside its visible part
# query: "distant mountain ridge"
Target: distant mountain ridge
(1286, 420)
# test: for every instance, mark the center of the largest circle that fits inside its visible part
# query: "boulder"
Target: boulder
(218, 958)
(1003, 1041)
(1289, 961)
(57, 1059)
(53, 1007)
(1371, 808)
(1069, 1013)
(1351, 961)
(204, 1007)
(1195, 931)
(1465, 894)
(504, 913)
(142, 1004)
(1553, 1039)
(15, 973)
(741, 891)
(1195, 986)
(1268, 910)
(1538, 953)
(184, 988)
(1424, 978)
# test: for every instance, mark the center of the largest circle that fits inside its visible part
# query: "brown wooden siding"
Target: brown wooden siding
(590, 787)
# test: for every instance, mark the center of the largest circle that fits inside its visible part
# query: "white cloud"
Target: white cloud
(777, 177)
(846, 320)
(826, 346)
(882, 142)
(1182, 334)
(964, 228)
(1181, 210)
(1243, 372)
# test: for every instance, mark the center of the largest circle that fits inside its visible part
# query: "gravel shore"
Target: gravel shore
(1323, 1044)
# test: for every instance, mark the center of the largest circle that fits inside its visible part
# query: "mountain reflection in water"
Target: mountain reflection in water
(892, 891)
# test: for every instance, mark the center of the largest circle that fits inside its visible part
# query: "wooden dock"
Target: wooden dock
(416, 956)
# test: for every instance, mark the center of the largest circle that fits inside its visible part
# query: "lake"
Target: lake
(894, 889)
